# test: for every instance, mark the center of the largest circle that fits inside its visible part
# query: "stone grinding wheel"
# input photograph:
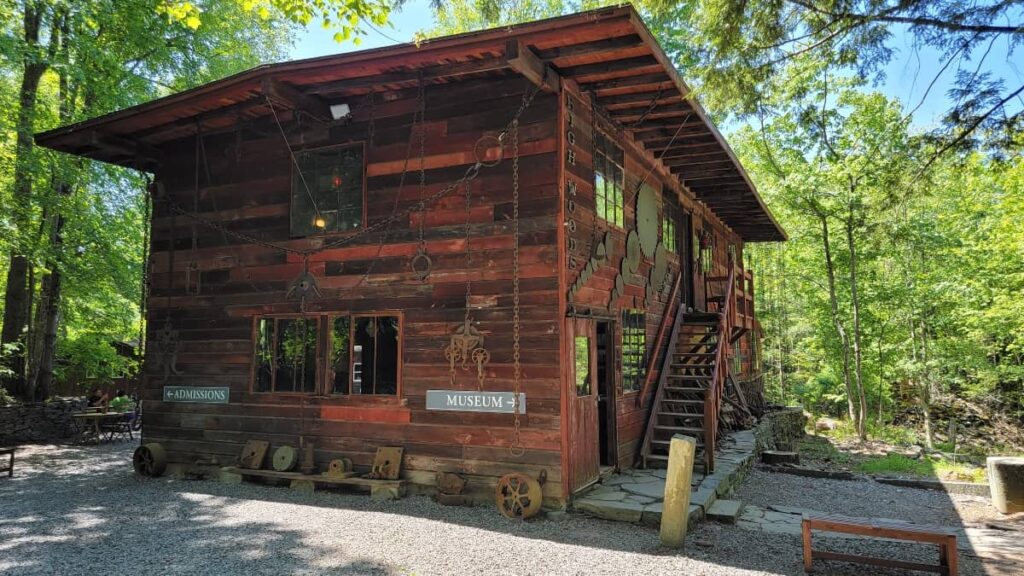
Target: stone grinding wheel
(518, 496)
(285, 458)
(620, 285)
(660, 267)
(632, 259)
(647, 222)
(150, 460)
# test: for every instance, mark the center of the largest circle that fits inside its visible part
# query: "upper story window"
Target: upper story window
(609, 180)
(670, 217)
(327, 190)
(356, 354)
(634, 347)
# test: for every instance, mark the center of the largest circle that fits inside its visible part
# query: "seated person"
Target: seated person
(97, 398)
(121, 402)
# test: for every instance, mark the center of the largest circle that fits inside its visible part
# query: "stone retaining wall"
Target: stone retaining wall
(780, 430)
(38, 422)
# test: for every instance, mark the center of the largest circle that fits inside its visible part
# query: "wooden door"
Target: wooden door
(584, 456)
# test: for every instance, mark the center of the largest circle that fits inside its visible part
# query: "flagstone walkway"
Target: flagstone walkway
(637, 495)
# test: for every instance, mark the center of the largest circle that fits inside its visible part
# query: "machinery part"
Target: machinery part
(339, 468)
(660, 267)
(518, 496)
(448, 483)
(308, 464)
(149, 460)
(647, 222)
(253, 454)
(285, 458)
(387, 463)
(632, 259)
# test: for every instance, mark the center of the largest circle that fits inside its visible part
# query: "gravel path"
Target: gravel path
(80, 510)
(865, 498)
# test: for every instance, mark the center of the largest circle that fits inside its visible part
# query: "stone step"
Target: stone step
(725, 511)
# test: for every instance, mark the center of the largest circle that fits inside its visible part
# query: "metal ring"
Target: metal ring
(485, 139)
(570, 206)
(421, 270)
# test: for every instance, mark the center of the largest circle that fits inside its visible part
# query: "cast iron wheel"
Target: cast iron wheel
(518, 496)
(150, 460)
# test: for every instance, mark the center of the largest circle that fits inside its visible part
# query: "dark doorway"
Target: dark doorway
(606, 393)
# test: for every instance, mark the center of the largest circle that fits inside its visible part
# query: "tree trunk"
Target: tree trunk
(16, 295)
(837, 321)
(862, 414)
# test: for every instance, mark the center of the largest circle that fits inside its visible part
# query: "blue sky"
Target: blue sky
(906, 77)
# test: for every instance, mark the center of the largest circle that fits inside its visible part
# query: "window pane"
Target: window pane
(339, 357)
(296, 355)
(375, 355)
(582, 366)
(264, 354)
(634, 346)
(327, 183)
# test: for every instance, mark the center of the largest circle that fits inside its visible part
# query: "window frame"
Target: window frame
(628, 332)
(324, 372)
(273, 378)
(602, 153)
(671, 217)
(353, 321)
(362, 194)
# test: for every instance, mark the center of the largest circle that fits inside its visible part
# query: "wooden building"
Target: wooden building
(334, 238)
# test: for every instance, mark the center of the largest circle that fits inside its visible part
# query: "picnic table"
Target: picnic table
(94, 422)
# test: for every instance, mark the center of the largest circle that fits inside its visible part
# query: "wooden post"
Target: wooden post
(675, 511)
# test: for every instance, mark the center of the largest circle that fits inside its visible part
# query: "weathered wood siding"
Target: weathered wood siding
(248, 190)
(631, 420)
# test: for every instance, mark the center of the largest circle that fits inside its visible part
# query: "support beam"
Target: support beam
(523, 60)
(292, 98)
(124, 146)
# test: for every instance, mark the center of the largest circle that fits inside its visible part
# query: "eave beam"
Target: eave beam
(524, 61)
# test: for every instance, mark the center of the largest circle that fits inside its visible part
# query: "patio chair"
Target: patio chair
(119, 427)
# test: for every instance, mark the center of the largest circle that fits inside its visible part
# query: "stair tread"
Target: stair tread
(684, 389)
(682, 401)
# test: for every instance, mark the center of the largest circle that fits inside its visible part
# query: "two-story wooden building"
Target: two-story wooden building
(390, 247)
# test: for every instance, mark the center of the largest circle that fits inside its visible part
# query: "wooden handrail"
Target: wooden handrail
(713, 395)
(666, 318)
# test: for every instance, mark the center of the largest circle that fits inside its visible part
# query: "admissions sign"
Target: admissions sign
(468, 401)
(196, 394)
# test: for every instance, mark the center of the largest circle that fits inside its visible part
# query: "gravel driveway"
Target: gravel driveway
(80, 510)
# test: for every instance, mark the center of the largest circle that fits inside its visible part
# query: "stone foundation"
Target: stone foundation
(38, 422)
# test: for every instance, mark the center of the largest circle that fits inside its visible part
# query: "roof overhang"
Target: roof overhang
(608, 52)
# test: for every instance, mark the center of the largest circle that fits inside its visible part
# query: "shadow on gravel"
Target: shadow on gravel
(81, 510)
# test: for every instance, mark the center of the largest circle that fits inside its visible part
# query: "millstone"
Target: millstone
(285, 458)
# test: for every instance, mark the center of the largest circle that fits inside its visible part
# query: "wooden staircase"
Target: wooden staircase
(695, 371)
(679, 405)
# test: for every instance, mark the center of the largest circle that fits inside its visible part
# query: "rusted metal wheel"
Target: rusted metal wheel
(518, 496)
(150, 460)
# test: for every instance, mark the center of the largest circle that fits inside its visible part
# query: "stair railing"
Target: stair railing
(668, 318)
(675, 319)
(716, 390)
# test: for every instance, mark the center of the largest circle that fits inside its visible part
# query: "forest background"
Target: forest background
(899, 289)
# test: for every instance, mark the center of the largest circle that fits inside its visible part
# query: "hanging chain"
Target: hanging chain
(144, 296)
(471, 173)
(516, 449)
(421, 101)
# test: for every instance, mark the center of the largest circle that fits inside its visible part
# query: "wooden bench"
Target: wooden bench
(10, 463)
(945, 538)
(379, 489)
